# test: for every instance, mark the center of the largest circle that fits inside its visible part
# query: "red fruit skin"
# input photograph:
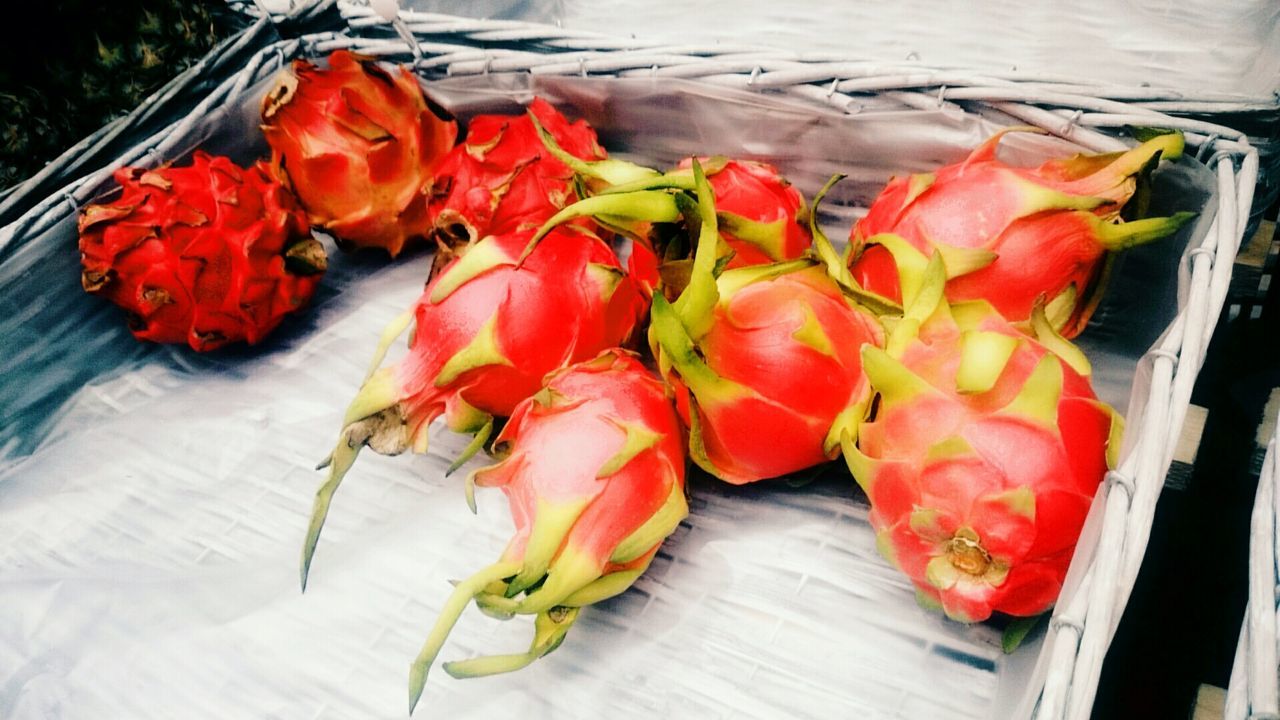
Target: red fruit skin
(922, 498)
(758, 192)
(197, 254)
(643, 265)
(552, 311)
(1042, 245)
(1058, 247)
(781, 425)
(976, 206)
(502, 179)
(359, 146)
(558, 442)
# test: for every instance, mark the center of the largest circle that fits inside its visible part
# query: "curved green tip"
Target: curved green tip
(343, 457)
(449, 614)
(550, 629)
(473, 447)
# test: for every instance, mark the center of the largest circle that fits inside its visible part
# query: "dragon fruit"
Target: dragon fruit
(761, 216)
(1011, 235)
(486, 333)
(593, 469)
(359, 146)
(207, 254)
(741, 351)
(502, 178)
(764, 360)
(983, 454)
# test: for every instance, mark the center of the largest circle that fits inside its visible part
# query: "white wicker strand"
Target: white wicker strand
(1199, 305)
(1039, 96)
(1110, 120)
(1193, 342)
(1062, 645)
(1254, 688)
(1074, 132)
(1269, 554)
(1237, 703)
(1142, 95)
(1261, 614)
(1141, 467)
(1201, 107)
(917, 79)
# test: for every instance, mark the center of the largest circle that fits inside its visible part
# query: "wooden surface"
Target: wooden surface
(1209, 703)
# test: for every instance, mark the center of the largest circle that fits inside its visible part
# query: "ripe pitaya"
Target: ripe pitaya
(761, 216)
(742, 351)
(982, 456)
(503, 179)
(486, 334)
(764, 360)
(1012, 236)
(593, 470)
(206, 254)
(359, 146)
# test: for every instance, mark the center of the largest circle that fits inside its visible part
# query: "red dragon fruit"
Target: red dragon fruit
(359, 146)
(743, 351)
(206, 254)
(1011, 235)
(503, 179)
(486, 333)
(775, 377)
(761, 216)
(983, 455)
(593, 469)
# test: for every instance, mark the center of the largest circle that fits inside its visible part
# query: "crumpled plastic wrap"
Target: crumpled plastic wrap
(153, 501)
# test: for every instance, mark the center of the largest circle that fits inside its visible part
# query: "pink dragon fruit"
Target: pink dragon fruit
(593, 469)
(742, 351)
(746, 385)
(486, 333)
(1009, 235)
(983, 454)
(761, 216)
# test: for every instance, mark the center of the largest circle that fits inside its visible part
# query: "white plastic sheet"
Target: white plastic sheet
(1201, 47)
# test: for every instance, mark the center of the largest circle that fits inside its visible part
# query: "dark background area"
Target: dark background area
(67, 67)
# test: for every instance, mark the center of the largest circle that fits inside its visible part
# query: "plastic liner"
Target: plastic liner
(153, 502)
(1198, 47)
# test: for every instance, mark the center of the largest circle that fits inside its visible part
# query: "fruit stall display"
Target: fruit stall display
(746, 469)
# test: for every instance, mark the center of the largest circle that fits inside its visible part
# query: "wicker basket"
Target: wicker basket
(1062, 679)
(1254, 692)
